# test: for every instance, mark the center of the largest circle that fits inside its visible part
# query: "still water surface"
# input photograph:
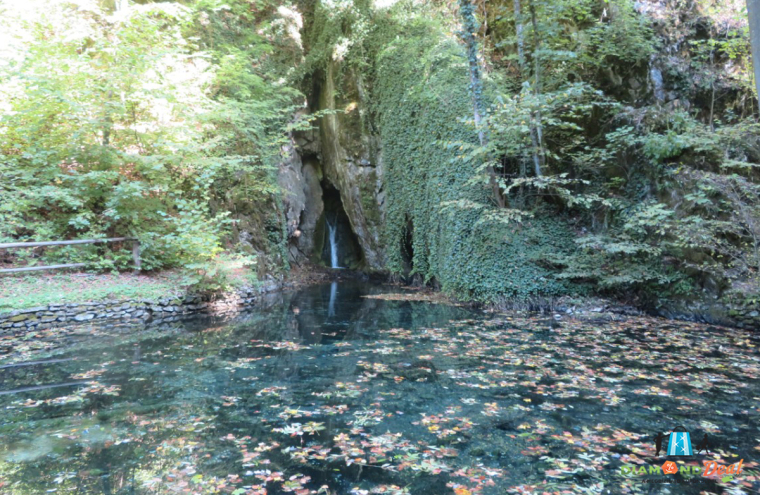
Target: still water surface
(328, 391)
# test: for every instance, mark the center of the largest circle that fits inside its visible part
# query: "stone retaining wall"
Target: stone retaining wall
(745, 317)
(714, 312)
(168, 309)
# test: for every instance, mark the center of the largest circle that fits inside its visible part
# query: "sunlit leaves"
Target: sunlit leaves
(131, 122)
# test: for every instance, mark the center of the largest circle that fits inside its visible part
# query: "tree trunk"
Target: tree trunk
(520, 37)
(108, 121)
(476, 85)
(753, 9)
(521, 63)
(537, 134)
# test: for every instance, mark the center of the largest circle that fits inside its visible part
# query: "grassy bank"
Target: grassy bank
(28, 291)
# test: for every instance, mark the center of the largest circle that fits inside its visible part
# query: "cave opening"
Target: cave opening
(340, 247)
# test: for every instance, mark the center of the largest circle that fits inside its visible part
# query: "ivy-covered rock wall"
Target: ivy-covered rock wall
(422, 98)
(401, 85)
(610, 152)
(392, 99)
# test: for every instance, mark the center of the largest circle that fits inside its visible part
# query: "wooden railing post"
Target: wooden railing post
(136, 254)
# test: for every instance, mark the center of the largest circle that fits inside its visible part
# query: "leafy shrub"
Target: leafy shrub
(141, 122)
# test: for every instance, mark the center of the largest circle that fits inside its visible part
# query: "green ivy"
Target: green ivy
(422, 96)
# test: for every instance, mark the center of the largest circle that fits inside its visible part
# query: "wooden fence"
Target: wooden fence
(11, 245)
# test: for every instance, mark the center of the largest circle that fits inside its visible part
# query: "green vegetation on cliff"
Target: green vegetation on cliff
(422, 96)
(621, 170)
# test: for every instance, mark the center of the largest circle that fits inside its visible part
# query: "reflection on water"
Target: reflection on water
(333, 294)
(325, 391)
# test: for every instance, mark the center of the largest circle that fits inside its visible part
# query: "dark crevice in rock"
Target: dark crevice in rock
(349, 250)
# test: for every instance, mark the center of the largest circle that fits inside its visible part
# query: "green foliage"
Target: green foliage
(689, 209)
(422, 95)
(155, 121)
(622, 36)
(578, 38)
(220, 274)
(662, 202)
(165, 121)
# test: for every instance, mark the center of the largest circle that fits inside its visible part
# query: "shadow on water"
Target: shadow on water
(329, 389)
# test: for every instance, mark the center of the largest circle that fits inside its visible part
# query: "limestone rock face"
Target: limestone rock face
(351, 159)
(291, 181)
(302, 200)
(341, 154)
(313, 205)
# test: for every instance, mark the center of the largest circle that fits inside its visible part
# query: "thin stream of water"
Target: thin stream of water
(333, 238)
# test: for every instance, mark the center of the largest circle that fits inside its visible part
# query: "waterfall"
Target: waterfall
(333, 293)
(332, 233)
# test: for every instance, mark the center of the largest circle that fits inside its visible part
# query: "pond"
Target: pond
(334, 390)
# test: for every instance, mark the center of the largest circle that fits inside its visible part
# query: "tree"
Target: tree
(753, 9)
(147, 123)
(469, 27)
